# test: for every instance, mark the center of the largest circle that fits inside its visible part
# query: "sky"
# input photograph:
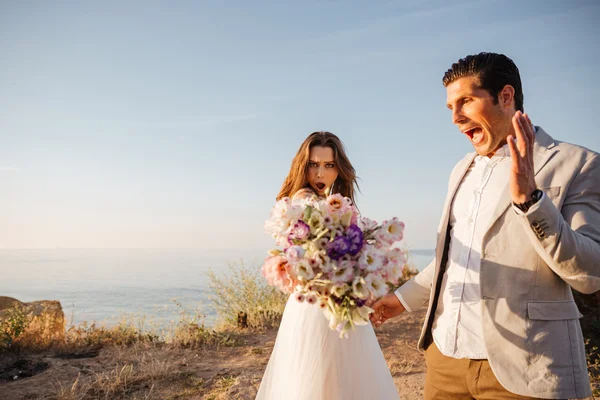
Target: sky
(162, 124)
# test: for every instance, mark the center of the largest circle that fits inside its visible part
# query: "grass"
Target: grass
(137, 378)
(21, 332)
(399, 367)
(244, 289)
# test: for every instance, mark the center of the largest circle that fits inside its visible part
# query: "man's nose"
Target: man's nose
(457, 116)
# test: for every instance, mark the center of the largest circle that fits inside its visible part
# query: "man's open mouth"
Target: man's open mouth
(475, 134)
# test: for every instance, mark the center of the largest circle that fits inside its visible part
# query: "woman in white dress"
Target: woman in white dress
(309, 360)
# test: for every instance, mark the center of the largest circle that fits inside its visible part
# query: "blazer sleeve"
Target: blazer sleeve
(568, 240)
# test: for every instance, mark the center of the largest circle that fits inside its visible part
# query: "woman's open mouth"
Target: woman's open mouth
(320, 186)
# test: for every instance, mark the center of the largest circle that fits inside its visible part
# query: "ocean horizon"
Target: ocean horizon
(107, 285)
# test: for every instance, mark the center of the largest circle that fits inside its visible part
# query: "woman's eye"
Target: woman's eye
(329, 165)
(312, 164)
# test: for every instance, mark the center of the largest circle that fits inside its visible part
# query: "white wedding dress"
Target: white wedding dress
(311, 361)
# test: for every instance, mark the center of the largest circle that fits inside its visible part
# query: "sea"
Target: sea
(150, 286)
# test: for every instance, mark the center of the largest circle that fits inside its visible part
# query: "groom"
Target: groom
(519, 230)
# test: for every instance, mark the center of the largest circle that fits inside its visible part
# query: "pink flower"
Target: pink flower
(277, 272)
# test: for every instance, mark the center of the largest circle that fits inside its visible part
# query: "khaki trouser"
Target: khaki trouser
(453, 378)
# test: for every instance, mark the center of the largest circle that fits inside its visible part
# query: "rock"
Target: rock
(46, 320)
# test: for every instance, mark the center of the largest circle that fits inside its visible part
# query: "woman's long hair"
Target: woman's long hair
(346, 181)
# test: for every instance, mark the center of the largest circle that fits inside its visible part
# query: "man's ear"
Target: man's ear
(506, 96)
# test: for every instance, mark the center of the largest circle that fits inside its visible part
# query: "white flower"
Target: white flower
(360, 315)
(283, 214)
(359, 288)
(394, 230)
(343, 273)
(303, 270)
(382, 237)
(315, 222)
(327, 266)
(346, 218)
(370, 259)
(397, 256)
(320, 257)
(340, 289)
(393, 273)
(376, 285)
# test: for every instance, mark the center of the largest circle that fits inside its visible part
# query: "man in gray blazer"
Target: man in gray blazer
(519, 230)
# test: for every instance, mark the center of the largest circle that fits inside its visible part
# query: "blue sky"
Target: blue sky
(150, 124)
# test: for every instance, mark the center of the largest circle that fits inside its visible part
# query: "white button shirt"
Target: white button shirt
(457, 328)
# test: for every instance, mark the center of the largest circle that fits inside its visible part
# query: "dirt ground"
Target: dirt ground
(163, 372)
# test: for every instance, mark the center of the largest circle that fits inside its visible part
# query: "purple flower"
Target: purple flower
(338, 247)
(355, 237)
(359, 302)
(299, 231)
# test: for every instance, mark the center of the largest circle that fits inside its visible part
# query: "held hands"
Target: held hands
(385, 308)
(522, 182)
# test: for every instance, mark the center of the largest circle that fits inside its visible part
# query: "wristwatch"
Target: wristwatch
(536, 195)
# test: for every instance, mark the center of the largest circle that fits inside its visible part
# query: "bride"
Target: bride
(309, 360)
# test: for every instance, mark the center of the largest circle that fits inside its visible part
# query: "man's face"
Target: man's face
(474, 113)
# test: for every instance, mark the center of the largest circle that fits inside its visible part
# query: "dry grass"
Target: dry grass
(400, 367)
(221, 387)
(137, 378)
(21, 333)
(244, 289)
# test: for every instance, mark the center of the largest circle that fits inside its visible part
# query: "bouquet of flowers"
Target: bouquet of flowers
(329, 257)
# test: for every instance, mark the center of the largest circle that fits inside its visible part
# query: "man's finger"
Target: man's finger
(514, 153)
(530, 132)
(522, 142)
(375, 314)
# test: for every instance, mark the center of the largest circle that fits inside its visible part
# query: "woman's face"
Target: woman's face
(322, 170)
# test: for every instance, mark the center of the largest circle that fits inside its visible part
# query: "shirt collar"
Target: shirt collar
(502, 152)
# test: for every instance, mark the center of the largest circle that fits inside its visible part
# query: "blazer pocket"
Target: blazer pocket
(552, 191)
(553, 310)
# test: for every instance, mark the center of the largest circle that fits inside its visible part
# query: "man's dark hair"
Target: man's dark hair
(492, 70)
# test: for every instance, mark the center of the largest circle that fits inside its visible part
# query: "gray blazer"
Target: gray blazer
(529, 264)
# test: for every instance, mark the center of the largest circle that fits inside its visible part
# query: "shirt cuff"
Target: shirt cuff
(399, 296)
(532, 209)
